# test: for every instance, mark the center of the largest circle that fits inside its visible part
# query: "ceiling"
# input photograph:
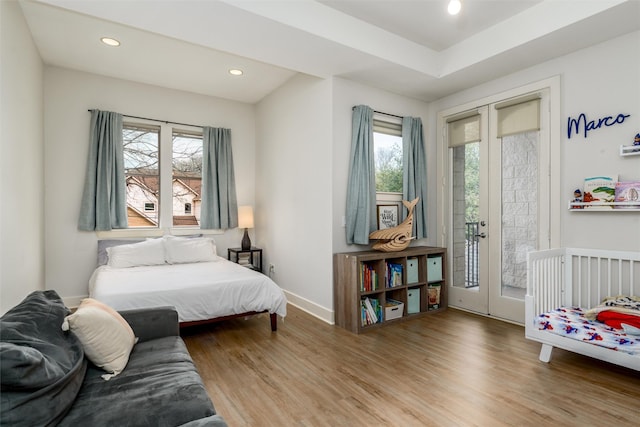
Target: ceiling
(412, 48)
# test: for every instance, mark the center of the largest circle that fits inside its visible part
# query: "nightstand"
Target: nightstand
(250, 258)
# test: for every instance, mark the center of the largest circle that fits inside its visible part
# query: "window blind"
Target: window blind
(519, 117)
(464, 130)
(388, 128)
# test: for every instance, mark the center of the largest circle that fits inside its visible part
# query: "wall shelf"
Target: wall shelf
(605, 207)
(630, 150)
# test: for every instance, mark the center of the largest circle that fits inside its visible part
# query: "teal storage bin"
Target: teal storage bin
(412, 270)
(413, 300)
(434, 269)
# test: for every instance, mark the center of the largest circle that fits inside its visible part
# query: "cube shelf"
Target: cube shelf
(412, 280)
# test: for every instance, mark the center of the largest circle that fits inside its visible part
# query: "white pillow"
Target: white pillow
(107, 339)
(180, 250)
(149, 252)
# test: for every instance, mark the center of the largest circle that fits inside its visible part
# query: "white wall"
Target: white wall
(303, 146)
(21, 161)
(71, 254)
(347, 94)
(293, 190)
(603, 80)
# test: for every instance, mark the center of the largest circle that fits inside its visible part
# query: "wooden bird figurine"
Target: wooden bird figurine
(396, 238)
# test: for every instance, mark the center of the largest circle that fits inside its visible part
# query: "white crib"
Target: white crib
(580, 278)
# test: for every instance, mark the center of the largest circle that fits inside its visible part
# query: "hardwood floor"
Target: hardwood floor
(448, 369)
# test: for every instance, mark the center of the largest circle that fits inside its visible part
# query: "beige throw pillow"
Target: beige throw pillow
(106, 337)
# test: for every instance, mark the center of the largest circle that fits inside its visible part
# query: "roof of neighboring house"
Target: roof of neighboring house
(135, 218)
(151, 182)
(184, 220)
(147, 182)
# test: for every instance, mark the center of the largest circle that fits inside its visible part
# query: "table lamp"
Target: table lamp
(245, 220)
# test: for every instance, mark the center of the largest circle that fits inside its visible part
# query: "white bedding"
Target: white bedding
(198, 291)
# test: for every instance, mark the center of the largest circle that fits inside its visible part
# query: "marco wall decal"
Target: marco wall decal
(582, 123)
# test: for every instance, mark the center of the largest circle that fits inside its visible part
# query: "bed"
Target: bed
(567, 291)
(185, 273)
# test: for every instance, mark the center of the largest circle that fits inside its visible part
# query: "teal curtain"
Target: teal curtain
(361, 190)
(219, 202)
(104, 200)
(414, 176)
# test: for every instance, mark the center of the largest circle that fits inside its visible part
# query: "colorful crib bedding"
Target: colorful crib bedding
(571, 323)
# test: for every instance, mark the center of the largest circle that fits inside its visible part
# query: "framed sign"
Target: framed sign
(387, 216)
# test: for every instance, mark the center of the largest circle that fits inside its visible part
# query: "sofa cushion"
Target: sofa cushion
(160, 387)
(41, 367)
(106, 337)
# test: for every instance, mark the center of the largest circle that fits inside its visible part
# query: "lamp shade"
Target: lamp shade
(245, 216)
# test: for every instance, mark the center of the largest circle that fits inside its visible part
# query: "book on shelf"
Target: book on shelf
(628, 192)
(371, 311)
(368, 278)
(598, 191)
(244, 259)
(393, 275)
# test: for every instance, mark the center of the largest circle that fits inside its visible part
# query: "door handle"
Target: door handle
(483, 235)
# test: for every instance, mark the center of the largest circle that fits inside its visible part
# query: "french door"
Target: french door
(468, 158)
(497, 200)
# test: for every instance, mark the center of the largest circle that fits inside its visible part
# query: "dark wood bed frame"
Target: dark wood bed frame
(273, 317)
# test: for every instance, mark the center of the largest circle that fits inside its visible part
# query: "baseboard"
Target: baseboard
(312, 308)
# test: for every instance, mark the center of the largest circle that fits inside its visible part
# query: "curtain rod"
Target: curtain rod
(381, 112)
(157, 120)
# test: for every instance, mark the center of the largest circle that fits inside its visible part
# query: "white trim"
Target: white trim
(551, 82)
(73, 302)
(388, 197)
(311, 308)
(154, 232)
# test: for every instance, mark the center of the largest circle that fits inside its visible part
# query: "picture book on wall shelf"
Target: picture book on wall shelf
(628, 192)
(599, 190)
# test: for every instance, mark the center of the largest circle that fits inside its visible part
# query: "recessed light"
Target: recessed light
(454, 7)
(235, 72)
(109, 41)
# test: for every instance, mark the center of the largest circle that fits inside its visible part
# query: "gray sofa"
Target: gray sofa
(47, 380)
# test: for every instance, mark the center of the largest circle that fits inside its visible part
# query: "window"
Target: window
(187, 178)
(142, 174)
(387, 147)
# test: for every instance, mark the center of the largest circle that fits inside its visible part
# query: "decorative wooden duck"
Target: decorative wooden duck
(396, 238)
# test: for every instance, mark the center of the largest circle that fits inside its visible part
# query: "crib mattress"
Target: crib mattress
(570, 322)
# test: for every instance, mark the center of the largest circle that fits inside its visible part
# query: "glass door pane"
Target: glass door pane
(465, 195)
(519, 184)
